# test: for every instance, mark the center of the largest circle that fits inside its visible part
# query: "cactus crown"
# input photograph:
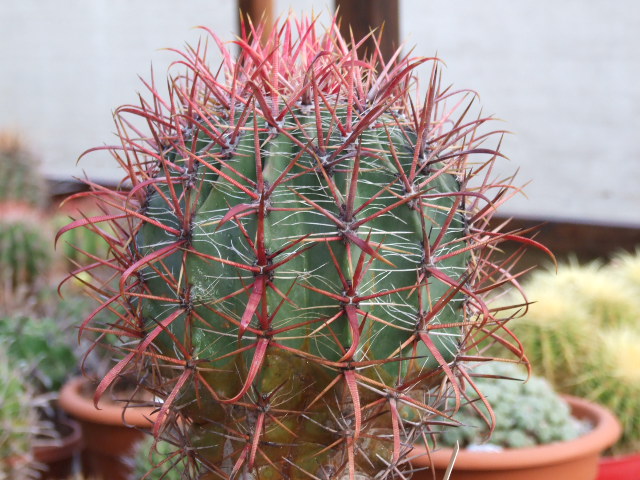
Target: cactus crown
(302, 261)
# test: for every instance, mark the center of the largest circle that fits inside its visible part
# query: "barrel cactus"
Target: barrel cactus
(303, 254)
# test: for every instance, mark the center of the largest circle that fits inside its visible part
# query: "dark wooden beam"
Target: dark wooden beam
(569, 239)
(362, 16)
(258, 11)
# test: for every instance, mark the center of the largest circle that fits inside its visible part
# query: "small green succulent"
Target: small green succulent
(527, 413)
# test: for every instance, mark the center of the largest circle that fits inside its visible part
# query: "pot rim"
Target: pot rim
(72, 401)
(605, 432)
(60, 448)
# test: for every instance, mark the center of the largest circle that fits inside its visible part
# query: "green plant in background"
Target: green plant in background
(25, 248)
(303, 266)
(18, 422)
(41, 347)
(611, 377)
(527, 413)
(626, 267)
(567, 305)
(20, 178)
(25, 240)
(583, 331)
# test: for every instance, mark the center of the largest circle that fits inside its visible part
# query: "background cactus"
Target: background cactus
(303, 258)
(568, 306)
(582, 333)
(20, 178)
(527, 413)
(611, 378)
(626, 267)
(25, 239)
(25, 247)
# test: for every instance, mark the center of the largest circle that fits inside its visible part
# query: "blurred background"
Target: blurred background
(562, 76)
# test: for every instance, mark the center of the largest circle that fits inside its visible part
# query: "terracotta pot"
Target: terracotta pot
(109, 433)
(59, 455)
(623, 467)
(573, 460)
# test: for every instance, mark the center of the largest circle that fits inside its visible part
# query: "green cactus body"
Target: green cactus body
(300, 258)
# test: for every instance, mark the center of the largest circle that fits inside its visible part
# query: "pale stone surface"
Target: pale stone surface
(563, 75)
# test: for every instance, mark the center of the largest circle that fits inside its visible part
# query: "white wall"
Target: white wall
(565, 76)
(562, 74)
(70, 63)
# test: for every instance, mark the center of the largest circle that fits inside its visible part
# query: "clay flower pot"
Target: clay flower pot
(58, 455)
(573, 460)
(109, 433)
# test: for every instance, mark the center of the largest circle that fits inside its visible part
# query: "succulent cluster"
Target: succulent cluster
(303, 256)
(528, 411)
(582, 333)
